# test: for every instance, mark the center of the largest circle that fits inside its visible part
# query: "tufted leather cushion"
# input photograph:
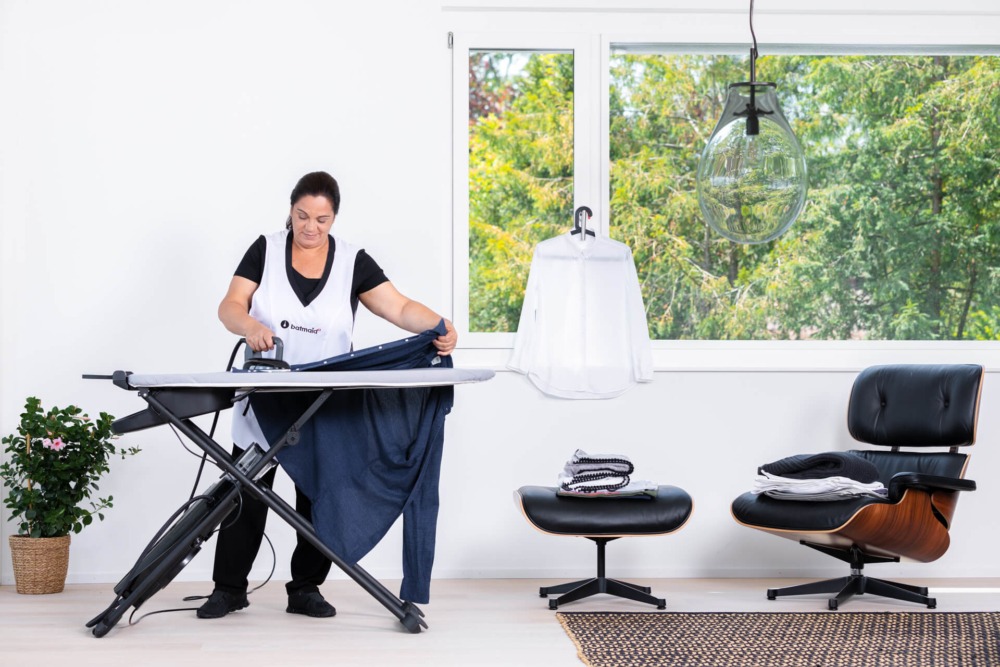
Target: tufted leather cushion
(766, 512)
(604, 516)
(916, 405)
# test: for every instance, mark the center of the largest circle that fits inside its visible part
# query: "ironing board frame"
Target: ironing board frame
(206, 400)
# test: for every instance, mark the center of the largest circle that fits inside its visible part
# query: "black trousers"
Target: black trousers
(238, 545)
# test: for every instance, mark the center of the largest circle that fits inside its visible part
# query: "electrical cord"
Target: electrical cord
(215, 420)
(192, 453)
(192, 598)
(130, 576)
(183, 509)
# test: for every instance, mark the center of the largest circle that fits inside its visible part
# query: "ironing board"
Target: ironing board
(301, 380)
(176, 398)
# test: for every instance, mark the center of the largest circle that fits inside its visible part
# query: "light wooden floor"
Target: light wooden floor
(472, 622)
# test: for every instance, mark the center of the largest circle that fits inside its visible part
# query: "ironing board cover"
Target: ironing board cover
(307, 378)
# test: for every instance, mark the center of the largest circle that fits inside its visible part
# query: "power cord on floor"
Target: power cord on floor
(192, 598)
(130, 576)
(190, 501)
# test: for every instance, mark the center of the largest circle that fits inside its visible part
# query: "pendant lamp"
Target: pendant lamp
(752, 174)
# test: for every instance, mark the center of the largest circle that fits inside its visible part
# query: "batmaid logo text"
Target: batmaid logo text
(286, 325)
(302, 329)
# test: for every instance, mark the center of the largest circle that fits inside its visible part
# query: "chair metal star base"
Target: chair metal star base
(856, 583)
(577, 590)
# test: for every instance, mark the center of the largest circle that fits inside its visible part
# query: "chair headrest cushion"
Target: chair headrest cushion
(916, 405)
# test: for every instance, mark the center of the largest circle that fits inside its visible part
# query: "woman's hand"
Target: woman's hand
(446, 343)
(259, 338)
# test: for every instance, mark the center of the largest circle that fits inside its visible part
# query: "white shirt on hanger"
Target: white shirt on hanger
(583, 331)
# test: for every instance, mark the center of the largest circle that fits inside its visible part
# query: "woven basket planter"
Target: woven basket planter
(40, 563)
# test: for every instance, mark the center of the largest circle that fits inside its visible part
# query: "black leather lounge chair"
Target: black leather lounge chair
(603, 520)
(893, 406)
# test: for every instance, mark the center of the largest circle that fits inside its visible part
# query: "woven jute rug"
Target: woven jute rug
(841, 639)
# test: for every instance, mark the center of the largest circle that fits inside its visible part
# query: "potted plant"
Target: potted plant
(54, 462)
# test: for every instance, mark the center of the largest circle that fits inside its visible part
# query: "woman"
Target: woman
(306, 285)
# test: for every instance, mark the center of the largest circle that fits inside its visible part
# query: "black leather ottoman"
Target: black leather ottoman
(603, 520)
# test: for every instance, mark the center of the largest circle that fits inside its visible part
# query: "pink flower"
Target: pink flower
(46, 443)
(54, 445)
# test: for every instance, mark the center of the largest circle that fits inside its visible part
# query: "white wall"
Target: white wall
(145, 145)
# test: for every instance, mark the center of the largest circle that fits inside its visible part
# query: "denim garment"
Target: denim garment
(369, 455)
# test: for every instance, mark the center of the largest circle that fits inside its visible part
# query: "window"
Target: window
(520, 174)
(900, 237)
(522, 164)
(899, 240)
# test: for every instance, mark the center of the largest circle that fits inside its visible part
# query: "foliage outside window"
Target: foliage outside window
(899, 239)
(520, 174)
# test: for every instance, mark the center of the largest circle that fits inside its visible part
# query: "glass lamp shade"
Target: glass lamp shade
(752, 186)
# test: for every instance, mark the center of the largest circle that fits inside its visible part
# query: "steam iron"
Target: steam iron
(257, 362)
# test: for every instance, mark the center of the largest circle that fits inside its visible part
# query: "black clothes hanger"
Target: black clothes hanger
(578, 218)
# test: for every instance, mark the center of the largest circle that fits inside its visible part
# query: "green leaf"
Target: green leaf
(87, 520)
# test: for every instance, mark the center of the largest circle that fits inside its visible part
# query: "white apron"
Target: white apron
(320, 330)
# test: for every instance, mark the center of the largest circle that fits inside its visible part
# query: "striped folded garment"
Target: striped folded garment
(592, 475)
(583, 463)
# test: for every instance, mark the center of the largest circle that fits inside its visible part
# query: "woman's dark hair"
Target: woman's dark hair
(316, 184)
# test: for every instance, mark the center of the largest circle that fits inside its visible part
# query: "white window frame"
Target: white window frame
(586, 170)
(803, 355)
(592, 188)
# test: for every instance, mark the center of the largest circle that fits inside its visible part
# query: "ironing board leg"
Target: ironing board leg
(361, 571)
(306, 529)
(407, 616)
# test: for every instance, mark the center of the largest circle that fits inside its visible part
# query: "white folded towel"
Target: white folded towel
(824, 489)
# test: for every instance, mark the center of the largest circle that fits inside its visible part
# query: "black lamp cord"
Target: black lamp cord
(190, 501)
(753, 49)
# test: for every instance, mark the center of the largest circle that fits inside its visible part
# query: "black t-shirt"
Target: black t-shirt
(367, 274)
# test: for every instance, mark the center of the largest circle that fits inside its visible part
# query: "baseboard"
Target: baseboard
(887, 570)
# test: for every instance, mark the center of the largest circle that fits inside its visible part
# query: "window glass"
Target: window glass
(520, 174)
(900, 236)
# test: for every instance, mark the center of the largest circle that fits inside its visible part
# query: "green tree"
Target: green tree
(899, 239)
(520, 175)
(902, 217)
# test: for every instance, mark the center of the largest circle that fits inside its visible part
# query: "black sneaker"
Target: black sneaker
(310, 604)
(221, 603)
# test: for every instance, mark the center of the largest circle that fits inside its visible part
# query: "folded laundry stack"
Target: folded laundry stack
(602, 476)
(819, 477)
